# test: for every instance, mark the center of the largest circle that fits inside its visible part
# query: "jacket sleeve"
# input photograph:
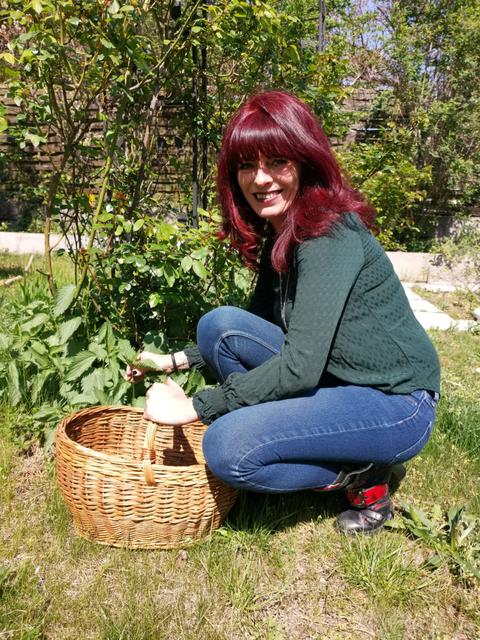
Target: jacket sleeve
(327, 268)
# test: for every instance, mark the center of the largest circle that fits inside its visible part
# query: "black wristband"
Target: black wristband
(174, 363)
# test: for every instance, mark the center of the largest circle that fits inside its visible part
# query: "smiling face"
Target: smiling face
(269, 185)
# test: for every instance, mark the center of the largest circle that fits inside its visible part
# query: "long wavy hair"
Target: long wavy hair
(277, 124)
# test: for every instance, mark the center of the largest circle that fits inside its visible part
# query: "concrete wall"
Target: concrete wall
(28, 242)
(429, 268)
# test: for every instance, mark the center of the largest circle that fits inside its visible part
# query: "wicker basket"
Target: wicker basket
(132, 483)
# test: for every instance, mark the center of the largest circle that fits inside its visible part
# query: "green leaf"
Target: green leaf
(109, 338)
(138, 224)
(113, 8)
(37, 6)
(47, 413)
(34, 139)
(94, 380)
(38, 347)
(68, 328)
(200, 270)
(39, 383)
(13, 381)
(63, 299)
(156, 342)
(49, 438)
(186, 263)
(98, 350)
(154, 299)
(101, 397)
(200, 253)
(78, 365)
(8, 57)
(107, 44)
(144, 364)
(39, 319)
(126, 352)
(169, 274)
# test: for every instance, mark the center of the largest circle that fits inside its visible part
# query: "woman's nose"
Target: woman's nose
(262, 176)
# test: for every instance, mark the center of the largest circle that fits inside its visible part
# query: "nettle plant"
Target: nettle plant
(51, 366)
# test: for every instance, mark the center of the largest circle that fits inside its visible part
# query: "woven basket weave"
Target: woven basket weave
(129, 482)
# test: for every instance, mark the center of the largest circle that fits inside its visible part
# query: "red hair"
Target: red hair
(277, 124)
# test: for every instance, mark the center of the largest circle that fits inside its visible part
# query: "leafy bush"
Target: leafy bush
(384, 171)
(162, 277)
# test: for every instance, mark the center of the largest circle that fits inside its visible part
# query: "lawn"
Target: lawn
(276, 569)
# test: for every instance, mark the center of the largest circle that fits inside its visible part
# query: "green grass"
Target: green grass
(14, 265)
(277, 568)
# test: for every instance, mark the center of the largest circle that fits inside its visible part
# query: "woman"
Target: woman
(328, 380)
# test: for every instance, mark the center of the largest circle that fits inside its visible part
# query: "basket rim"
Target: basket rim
(61, 434)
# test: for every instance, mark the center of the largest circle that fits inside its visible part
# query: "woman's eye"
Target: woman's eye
(279, 162)
(245, 166)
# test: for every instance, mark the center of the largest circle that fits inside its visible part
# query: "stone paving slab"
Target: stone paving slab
(430, 317)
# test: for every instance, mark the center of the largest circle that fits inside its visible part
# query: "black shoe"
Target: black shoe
(370, 509)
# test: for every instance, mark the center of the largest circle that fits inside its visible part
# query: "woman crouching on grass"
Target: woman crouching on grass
(328, 380)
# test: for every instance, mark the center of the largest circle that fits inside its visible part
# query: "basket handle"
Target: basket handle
(148, 453)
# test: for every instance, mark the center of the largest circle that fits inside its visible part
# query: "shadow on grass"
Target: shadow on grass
(10, 270)
(278, 512)
(281, 511)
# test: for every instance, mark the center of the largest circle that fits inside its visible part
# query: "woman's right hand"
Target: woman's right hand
(163, 362)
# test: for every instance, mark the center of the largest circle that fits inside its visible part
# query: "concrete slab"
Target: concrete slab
(410, 267)
(429, 268)
(430, 317)
(28, 242)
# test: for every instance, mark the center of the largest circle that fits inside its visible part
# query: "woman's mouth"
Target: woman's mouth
(267, 196)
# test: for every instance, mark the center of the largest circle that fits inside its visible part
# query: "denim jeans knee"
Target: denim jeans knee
(233, 340)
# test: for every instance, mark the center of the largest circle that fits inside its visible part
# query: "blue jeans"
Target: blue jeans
(301, 442)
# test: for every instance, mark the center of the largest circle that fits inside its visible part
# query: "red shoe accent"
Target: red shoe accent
(366, 497)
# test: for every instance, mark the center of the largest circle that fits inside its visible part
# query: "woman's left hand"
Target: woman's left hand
(168, 404)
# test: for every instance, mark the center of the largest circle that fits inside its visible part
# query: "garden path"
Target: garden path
(430, 316)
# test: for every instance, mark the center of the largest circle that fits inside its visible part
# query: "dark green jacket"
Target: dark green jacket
(347, 315)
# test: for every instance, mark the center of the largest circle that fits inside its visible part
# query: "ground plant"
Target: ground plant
(276, 569)
(58, 356)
